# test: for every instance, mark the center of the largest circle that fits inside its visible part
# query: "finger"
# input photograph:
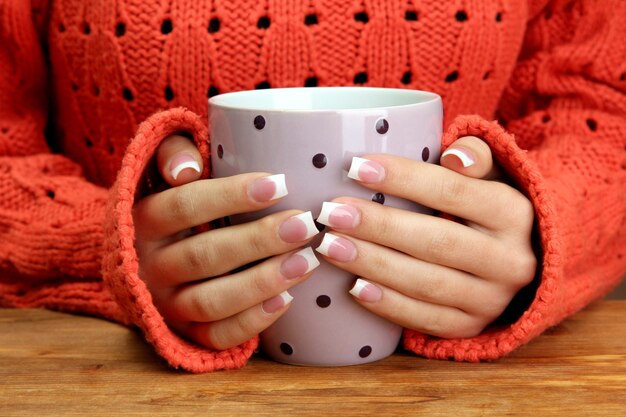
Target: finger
(219, 251)
(227, 296)
(199, 202)
(425, 281)
(242, 327)
(491, 204)
(436, 320)
(471, 157)
(178, 160)
(431, 239)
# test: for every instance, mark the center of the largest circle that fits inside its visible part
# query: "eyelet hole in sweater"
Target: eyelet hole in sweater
(127, 94)
(360, 78)
(410, 16)
(361, 17)
(461, 16)
(85, 28)
(311, 82)
(311, 19)
(592, 124)
(214, 25)
(167, 27)
(168, 93)
(453, 76)
(499, 17)
(264, 22)
(212, 91)
(61, 27)
(263, 85)
(120, 29)
(407, 77)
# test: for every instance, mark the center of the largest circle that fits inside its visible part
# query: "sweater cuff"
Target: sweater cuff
(545, 307)
(120, 265)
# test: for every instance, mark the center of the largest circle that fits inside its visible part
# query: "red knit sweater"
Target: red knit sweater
(89, 89)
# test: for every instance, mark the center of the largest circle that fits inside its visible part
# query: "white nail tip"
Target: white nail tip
(354, 167)
(358, 287)
(287, 298)
(307, 219)
(180, 167)
(323, 248)
(466, 160)
(311, 260)
(281, 185)
(327, 208)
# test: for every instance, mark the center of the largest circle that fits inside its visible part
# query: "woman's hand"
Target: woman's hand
(431, 274)
(175, 263)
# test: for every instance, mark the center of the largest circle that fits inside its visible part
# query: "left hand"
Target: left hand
(437, 276)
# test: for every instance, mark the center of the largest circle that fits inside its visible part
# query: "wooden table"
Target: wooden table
(54, 364)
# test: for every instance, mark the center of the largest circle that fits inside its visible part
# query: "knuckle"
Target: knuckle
(204, 305)
(197, 256)
(454, 190)
(262, 284)
(181, 204)
(523, 268)
(442, 242)
(218, 338)
(245, 327)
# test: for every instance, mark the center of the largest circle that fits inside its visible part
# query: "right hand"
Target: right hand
(189, 274)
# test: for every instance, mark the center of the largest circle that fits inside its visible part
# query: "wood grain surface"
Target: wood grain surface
(54, 364)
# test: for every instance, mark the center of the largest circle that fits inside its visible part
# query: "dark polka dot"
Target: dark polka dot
(410, 16)
(360, 78)
(319, 226)
(461, 16)
(323, 301)
(127, 94)
(220, 151)
(259, 122)
(264, 22)
(365, 351)
(407, 77)
(167, 27)
(378, 198)
(592, 124)
(169, 93)
(425, 154)
(382, 126)
(311, 19)
(286, 348)
(453, 76)
(120, 29)
(320, 160)
(311, 82)
(361, 17)
(214, 25)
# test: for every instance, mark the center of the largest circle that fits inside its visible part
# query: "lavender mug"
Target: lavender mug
(311, 136)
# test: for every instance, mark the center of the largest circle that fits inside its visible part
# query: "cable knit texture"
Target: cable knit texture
(89, 89)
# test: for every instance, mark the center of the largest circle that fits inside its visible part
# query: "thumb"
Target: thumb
(470, 156)
(178, 160)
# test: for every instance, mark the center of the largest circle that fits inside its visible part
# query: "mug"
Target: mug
(311, 136)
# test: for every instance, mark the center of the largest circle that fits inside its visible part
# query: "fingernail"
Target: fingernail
(365, 170)
(465, 156)
(300, 263)
(268, 188)
(274, 304)
(298, 228)
(366, 291)
(181, 162)
(337, 248)
(340, 216)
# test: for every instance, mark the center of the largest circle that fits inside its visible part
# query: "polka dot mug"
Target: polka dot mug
(311, 136)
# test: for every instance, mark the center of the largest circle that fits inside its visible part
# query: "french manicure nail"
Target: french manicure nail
(337, 248)
(366, 291)
(298, 228)
(365, 170)
(465, 156)
(300, 263)
(181, 162)
(268, 188)
(274, 304)
(340, 216)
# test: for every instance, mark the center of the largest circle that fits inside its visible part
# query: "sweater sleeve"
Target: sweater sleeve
(565, 148)
(65, 243)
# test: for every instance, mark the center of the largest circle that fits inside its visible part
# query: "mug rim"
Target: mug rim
(404, 97)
